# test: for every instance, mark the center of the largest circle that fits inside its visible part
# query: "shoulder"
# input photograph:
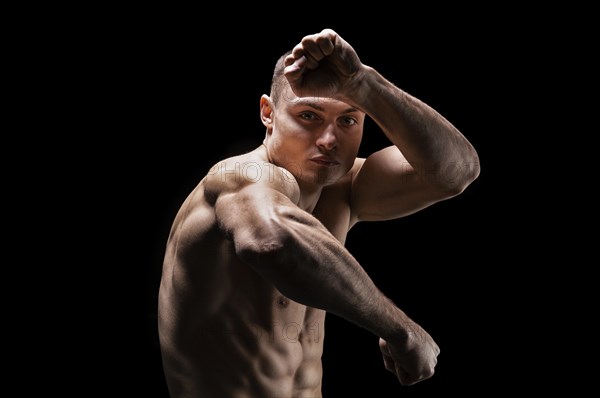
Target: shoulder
(249, 171)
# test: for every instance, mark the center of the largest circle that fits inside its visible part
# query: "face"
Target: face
(316, 139)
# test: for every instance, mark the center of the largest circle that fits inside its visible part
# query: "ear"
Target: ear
(266, 111)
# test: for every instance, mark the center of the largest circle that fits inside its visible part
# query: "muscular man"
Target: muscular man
(256, 256)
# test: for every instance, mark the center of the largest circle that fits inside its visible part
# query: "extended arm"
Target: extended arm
(292, 250)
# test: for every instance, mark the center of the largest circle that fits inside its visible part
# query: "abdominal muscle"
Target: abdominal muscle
(258, 343)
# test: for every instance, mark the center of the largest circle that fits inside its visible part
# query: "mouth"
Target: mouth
(325, 161)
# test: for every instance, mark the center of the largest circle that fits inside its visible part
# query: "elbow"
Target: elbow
(261, 248)
(258, 252)
(457, 176)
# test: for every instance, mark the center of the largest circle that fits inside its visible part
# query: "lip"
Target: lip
(325, 161)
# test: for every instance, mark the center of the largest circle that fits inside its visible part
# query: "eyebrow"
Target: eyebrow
(315, 105)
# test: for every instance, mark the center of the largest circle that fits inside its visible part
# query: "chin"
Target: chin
(325, 178)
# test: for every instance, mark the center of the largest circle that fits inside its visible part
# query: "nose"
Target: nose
(327, 139)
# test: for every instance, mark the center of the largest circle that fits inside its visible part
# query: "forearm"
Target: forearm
(430, 143)
(313, 268)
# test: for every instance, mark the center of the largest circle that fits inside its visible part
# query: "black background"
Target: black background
(173, 96)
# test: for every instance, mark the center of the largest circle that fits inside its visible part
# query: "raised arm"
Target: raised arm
(292, 250)
(430, 160)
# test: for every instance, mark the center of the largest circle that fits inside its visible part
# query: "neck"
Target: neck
(309, 196)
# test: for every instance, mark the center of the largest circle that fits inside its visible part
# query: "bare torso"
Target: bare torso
(224, 330)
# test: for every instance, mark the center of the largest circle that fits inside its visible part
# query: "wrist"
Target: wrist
(357, 90)
(366, 87)
(398, 329)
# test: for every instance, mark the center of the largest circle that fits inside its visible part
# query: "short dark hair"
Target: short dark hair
(278, 82)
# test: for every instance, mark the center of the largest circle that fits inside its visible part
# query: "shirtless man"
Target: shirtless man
(256, 256)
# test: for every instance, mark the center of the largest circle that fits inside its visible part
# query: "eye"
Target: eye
(308, 116)
(349, 121)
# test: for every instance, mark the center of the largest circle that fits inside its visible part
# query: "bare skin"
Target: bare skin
(255, 257)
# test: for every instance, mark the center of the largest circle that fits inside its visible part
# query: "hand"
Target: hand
(412, 361)
(323, 65)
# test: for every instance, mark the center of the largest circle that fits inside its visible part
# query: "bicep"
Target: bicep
(386, 187)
